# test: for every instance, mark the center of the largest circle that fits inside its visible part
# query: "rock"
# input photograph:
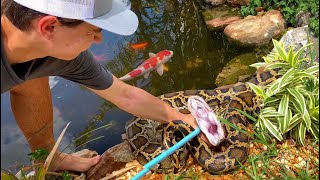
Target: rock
(85, 153)
(216, 2)
(298, 37)
(302, 19)
(222, 21)
(236, 68)
(256, 30)
(238, 2)
(221, 16)
(113, 159)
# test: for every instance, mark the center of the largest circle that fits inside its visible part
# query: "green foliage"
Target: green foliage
(66, 175)
(289, 10)
(290, 103)
(189, 174)
(38, 154)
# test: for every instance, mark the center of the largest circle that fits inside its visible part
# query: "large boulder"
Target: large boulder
(256, 30)
(298, 37)
(221, 22)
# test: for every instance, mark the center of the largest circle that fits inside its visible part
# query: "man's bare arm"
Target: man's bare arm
(141, 103)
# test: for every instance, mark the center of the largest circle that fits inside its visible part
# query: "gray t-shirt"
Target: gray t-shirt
(83, 69)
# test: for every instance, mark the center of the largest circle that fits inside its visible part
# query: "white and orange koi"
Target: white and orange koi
(155, 61)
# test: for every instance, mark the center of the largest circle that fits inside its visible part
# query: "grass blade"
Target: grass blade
(43, 170)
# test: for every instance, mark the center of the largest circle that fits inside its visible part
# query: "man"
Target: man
(51, 38)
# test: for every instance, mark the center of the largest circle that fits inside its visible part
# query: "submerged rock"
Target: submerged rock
(256, 30)
(237, 69)
(221, 16)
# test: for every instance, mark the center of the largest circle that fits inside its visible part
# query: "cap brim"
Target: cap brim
(119, 20)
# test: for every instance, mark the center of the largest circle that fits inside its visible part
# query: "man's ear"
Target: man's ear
(47, 26)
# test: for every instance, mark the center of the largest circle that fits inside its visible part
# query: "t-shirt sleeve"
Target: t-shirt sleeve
(87, 71)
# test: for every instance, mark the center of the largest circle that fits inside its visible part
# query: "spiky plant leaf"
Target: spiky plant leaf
(298, 97)
(278, 65)
(294, 121)
(290, 55)
(312, 69)
(280, 50)
(271, 128)
(284, 109)
(271, 112)
(302, 133)
(285, 79)
(257, 65)
(297, 55)
(315, 130)
(259, 91)
(305, 75)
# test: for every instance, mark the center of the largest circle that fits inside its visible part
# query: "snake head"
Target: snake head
(206, 119)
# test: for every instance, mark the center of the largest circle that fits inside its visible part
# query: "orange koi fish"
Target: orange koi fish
(155, 61)
(139, 45)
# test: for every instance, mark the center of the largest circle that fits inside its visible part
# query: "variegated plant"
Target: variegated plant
(291, 103)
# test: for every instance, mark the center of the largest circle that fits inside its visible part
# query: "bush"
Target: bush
(290, 103)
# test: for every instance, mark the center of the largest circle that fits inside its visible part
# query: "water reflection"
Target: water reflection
(176, 25)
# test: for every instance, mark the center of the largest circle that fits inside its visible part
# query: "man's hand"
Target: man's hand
(192, 121)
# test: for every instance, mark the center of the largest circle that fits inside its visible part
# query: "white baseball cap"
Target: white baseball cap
(111, 15)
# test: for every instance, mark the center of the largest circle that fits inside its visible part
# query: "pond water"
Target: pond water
(199, 55)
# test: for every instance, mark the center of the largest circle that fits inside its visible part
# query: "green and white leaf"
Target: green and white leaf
(285, 79)
(298, 97)
(294, 121)
(315, 130)
(312, 69)
(302, 133)
(257, 65)
(278, 65)
(284, 109)
(280, 50)
(259, 91)
(271, 128)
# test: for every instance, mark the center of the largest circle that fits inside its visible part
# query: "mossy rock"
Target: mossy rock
(236, 67)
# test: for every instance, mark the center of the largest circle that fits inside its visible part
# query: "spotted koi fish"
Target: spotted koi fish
(155, 61)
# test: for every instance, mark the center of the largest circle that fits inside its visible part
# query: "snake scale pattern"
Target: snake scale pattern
(148, 138)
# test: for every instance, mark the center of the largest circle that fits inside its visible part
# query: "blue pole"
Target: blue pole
(165, 154)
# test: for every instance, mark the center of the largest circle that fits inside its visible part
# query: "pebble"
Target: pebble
(265, 147)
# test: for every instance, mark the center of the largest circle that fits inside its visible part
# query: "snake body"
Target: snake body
(148, 138)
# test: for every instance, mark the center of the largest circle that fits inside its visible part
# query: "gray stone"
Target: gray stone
(297, 38)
